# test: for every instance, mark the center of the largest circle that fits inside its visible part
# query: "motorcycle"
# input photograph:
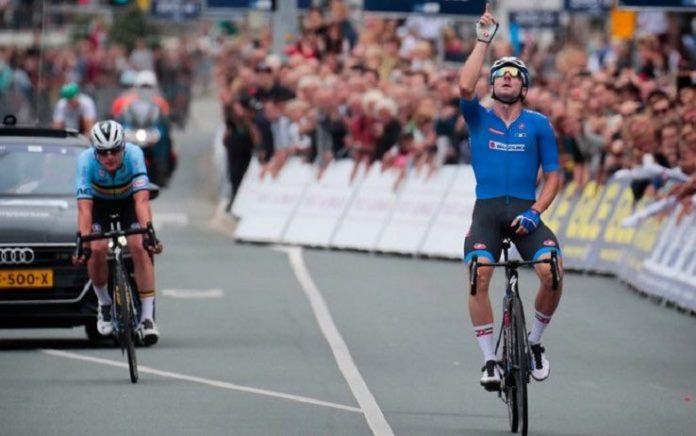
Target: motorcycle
(146, 127)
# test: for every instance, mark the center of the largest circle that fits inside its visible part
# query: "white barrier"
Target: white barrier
(322, 207)
(432, 217)
(414, 212)
(369, 211)
(274, 203)
(446, 236)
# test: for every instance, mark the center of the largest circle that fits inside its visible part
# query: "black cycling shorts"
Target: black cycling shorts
(491, 224)
(103, 209)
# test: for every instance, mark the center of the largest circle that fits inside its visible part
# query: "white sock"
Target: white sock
(102, 294)
(538, 327)
(147, 306)
(486, 341)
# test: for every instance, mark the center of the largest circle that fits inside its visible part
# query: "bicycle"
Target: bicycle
(124, 310)
(516, 354)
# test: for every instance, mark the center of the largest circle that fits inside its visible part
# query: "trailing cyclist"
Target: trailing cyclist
(111, 179)
(74, 110)
(508, 146)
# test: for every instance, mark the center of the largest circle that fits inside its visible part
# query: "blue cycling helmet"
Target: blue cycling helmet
(510, 61)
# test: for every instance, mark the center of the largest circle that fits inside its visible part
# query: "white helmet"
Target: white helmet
(107, 135)
(510, 61)
(146, 78)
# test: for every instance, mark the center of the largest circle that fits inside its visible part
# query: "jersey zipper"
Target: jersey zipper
(113, 184)
(507, 166)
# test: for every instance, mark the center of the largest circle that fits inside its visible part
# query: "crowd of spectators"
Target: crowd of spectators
(31, 77)
(376, 93)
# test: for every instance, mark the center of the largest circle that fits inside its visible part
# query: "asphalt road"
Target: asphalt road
(260, 340)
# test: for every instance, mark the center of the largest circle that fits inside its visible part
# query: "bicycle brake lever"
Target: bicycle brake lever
(78, 245)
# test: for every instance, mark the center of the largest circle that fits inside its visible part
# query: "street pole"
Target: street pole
(284, 24)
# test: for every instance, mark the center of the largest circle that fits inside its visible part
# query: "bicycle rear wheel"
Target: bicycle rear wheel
(521, 365)
(126, 333)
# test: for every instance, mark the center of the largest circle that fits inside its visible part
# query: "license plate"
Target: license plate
(26, 278)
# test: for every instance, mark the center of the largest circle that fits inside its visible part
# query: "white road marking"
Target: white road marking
(375, 418)
(204, 381)
(193, 294)
(170, 219)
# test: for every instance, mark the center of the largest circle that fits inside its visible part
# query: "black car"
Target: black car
(39, 286)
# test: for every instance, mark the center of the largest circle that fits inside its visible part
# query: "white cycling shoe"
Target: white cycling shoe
(147, 332)
(540, 364)
(490, 379)
(104, 325)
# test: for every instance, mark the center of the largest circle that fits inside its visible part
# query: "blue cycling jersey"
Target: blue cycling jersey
(93, 181)
(506, 159)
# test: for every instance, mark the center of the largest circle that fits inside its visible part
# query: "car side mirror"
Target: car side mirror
(154, 191)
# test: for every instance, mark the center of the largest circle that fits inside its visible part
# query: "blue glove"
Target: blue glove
(529, 220)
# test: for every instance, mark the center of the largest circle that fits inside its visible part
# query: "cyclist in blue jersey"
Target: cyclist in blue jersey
(509, 146)
(111, 178)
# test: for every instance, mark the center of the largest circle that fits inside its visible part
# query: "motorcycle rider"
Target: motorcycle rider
(145, 87)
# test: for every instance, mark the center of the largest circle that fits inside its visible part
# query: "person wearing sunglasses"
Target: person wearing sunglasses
(111, 178)
(509, 145)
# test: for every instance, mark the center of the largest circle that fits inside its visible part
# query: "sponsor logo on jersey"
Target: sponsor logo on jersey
(139, 183)
(495, 145)
(497, 132)
(520, 135)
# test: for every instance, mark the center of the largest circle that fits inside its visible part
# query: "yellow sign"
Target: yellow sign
(144, 5)
(614, 232)
(26, 278)
(623, 23)
(581, 224)
(553, 219)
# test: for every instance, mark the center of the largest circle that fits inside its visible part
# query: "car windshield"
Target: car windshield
(37, 170)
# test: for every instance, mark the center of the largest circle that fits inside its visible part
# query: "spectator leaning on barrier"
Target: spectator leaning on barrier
(274, 111)
(240, 139)
(330, 131)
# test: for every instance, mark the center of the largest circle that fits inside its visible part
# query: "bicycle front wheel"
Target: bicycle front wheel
(509, 385)
(126, 334)
(521, 365)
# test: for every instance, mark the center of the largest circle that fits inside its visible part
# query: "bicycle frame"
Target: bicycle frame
(116, 266)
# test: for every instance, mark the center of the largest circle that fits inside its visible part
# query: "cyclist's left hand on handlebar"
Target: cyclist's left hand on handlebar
(153, 246)
(526, 222)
